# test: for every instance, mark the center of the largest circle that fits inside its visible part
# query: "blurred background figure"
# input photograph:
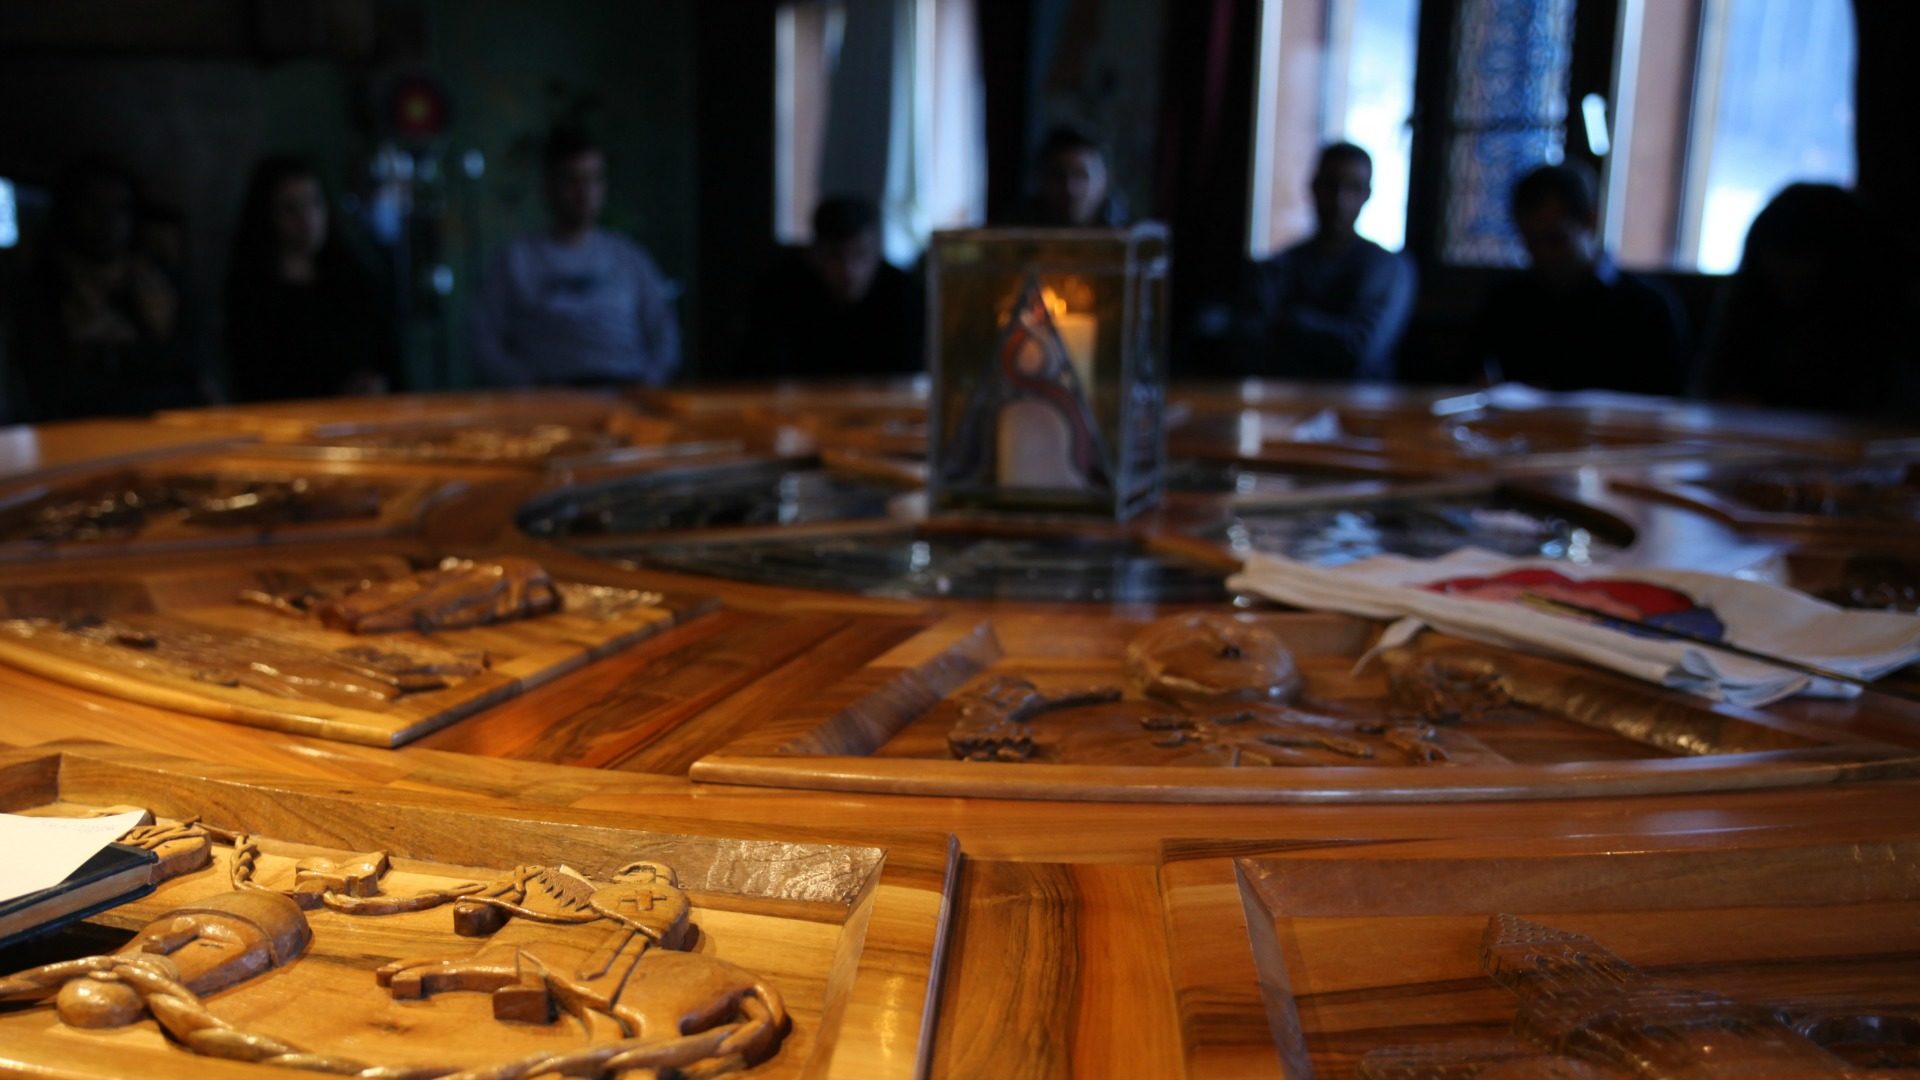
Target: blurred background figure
(1572, 320)
(1812, 317)
(836, 307)
(1335, 305)
(304, 316)
(1072, 187)
(99, 330)
(576, 305)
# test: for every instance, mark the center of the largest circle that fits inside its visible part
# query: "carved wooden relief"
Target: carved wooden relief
(615, 949)
(486, 443)
(1267, 708)
(1873, 504)
(685, 956)
(197, 504)
(368, 650)
(1205, 690)
(461, 429)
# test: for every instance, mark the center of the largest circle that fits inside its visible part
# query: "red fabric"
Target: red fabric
(1643, 597)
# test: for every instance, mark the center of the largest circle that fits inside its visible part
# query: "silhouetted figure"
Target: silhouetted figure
(1573, 320)
(836, 307)
(576, 305)
(1072, 186)
(1335, 305)
(1811, 320)
(100, 325)
(304, 316)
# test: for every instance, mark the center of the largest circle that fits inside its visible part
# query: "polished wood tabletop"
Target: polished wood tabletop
(1112, 925)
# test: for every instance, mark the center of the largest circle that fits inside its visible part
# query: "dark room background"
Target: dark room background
(719, 119)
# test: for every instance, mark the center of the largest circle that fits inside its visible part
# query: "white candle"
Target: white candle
(1081, 336)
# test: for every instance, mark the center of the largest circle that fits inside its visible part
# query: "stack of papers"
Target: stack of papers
(1487, 597)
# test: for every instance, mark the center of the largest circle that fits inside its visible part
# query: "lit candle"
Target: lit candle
(1081, 335)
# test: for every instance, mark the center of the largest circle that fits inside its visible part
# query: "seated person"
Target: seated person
(1335, 305)
(1573, 320)
(836, 307)
(304, 317)
(1812, 318)
(100, 328)
(1073, 189)
(576, 305)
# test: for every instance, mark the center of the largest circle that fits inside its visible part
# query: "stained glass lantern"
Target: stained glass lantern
(1049, 367)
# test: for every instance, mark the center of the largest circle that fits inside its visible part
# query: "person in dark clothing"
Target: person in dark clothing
(304, 317)
(1811, 319)
(1335, 305)
(1073, 188)
(836, 307)
(1573, 320)
(100, 330)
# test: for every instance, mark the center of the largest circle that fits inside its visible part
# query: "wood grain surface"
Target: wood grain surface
(507, 658)
(851, 933)
(1569, 729)
(1005, 928)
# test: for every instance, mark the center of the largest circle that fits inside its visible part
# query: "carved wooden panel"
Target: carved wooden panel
(1876, 502)
(294, 420)
(552, 430)
(1044, 706)
(211, 641)
(1886, 580)
(413, 934)
(1567, 959)
(208, 503)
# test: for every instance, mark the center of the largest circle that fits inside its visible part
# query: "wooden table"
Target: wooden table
(1094, 938)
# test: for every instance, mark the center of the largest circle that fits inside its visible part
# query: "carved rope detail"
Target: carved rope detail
(158, 986)
(186, 1018)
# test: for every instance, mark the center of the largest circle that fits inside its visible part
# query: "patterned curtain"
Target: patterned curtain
(1508, 115)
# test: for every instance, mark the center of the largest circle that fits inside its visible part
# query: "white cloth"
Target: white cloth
(1758, 616)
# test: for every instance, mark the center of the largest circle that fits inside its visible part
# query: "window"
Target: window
(1775, 106)
(9, 216)
(880, 99)
(1332, 70)
(1732, 100)
(806, 49)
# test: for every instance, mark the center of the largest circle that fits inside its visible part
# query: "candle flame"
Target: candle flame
(1056, 304)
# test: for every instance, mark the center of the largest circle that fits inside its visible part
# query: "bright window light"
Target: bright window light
(9, 215)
